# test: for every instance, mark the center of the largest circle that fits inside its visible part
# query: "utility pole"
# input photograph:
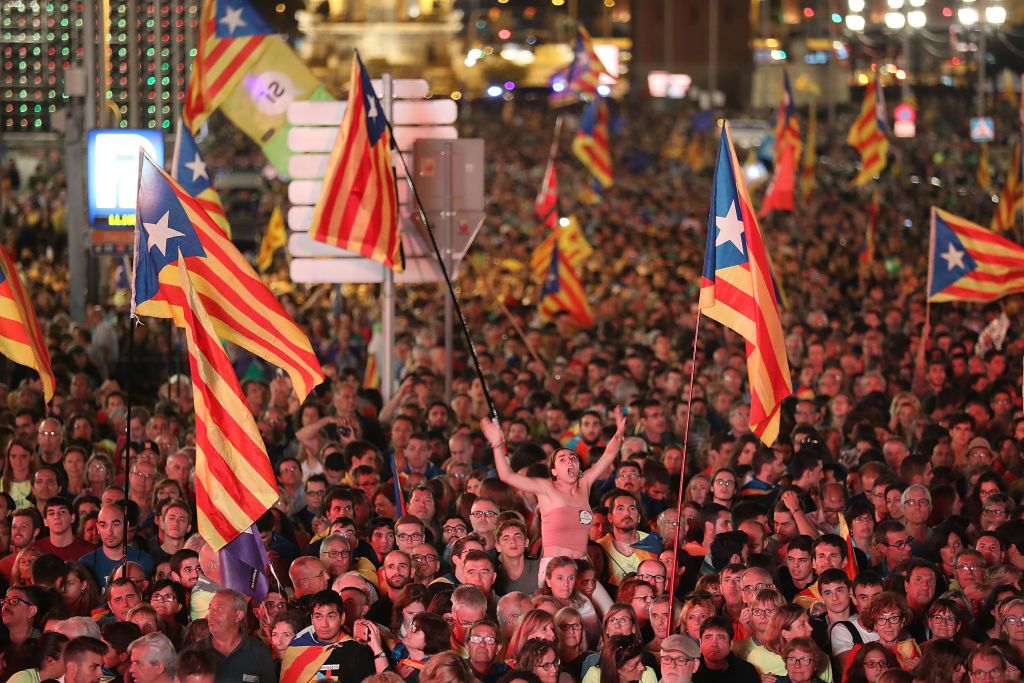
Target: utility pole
(74, 150)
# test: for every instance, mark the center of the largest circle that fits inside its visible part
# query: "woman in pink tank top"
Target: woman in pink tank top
(564, 499)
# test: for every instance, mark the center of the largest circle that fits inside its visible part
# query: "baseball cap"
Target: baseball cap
(979, 442)
(678, 643)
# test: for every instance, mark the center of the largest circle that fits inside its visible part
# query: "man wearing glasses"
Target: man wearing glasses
(425, 563)
(484, 518)
(985, 664)
(18, 610)
(336, 555)
(680, 657)
(481, 648)
(894, 544)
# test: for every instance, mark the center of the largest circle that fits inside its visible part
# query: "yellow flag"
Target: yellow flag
(273, 239)
(984, 172)
(1007, 89)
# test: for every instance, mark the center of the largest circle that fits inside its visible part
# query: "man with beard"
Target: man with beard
(626, 546)
(589, 436)
(397, 574)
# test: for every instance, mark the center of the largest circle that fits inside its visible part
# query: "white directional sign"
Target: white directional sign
(315, 127)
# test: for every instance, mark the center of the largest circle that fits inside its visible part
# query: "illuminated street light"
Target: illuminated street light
(895, 20)
(968, 16)
(856, 6)
(995, 15)
(916, 19)
(855, 22)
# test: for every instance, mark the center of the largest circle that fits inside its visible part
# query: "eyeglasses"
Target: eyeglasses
(478, 640)
(410, 537)
(995, 512)
(140, 475)
(162, 598)
(549, 666)
(675, 661)
(570, 627)
(799, 661)
(50, 433)
(756, 587)
(967, 567)
(728, 483)
(892, 621)
(763, 611)
(620, 621)
(987, 675)
(454, 529)
(1013, 621)
(900, 545)
(651, 578)
(314, 494)
(644, 598)
(14, 602)
(876, 664)
(336, 554)
(627, 475)
(944, 618)
(483, 513)
(424, 558)
(918, 502)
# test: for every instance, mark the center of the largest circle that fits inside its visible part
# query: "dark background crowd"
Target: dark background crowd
(909, 436)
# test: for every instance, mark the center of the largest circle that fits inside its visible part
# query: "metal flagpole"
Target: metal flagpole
(682, 471)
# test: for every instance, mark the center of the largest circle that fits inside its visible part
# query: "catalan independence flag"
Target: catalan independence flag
(232, 36)
(984, 170)
(572, 243)
(850, 567)
(189, 169)
(1011, 199)
(591, 142)
(546, 204)
(21, 338)
(305, 655)
(585, 71)
(737, 290)
(242, 309)
(870, 134)
(969, 263)
(779, 196)
(563, 291)
(234, 480)
(358, 206)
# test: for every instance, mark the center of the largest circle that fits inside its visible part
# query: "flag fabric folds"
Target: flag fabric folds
(245, 69)
(738, 291)
(584, 73)
(234, 480)
(867, 254)
(1011, 199)
(273, 239)
(21, 338)
(869, 134)
(779, 196)
(969, 263)
(546, 204)
(810, 160)
(591, 145)
(243, 563)
(563, 291)
(189, 169)
(243, 310)
(984, 171)
(358, 206)
(572, 243)
(850, 566)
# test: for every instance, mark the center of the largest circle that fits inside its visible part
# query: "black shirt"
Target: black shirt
(250, 662)
(736, 671)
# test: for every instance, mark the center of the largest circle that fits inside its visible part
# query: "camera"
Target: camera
(345, 431)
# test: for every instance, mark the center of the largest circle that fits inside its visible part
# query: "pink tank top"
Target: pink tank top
(567, 528)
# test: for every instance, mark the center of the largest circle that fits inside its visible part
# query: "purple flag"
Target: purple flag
(243, 563)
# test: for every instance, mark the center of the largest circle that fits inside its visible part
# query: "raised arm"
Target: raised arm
(492, 433)
(611, 451)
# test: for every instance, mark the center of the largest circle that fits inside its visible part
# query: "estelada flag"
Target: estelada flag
(358, 206)
(21, 338)
(969, 263)
(189, 169)
(737, 290)
(243, 310)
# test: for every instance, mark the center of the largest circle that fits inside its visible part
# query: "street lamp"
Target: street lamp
(993, 16)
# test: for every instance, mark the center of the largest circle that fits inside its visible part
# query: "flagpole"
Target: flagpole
(128, 433)
(927, 294)
(682, 471)
(552, 154)
(444, 271)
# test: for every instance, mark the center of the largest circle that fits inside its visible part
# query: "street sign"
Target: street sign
(113, 173)
(982, 129)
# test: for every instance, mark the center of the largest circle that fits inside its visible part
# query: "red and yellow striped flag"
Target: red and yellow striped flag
(563, 291)
(1011, 199)
(584, 74)
(21, 338)
(850, 567)
(984, 171)
(591, 145)
(869, 134)
(810, 159)
(358, 206)
(189, 169)
(969, 263)
(234, 480)
(571, 242)
(221, 61)
(779, 196)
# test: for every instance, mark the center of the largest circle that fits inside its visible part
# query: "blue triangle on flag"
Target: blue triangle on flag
(239, 19)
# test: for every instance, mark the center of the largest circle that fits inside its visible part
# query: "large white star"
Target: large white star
(371, 107)
(160, 232)
(198, 168)
(954, 258)
(233, 19)
(730, 228)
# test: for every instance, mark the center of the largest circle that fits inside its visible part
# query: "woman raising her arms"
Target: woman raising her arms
(564, 499)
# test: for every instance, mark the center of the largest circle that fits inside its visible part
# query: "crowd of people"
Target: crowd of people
(879, 539)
